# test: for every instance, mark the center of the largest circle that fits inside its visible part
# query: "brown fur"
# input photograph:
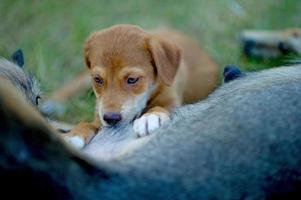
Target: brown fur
(176, 69)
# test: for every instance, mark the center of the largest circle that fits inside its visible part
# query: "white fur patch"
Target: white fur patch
(75, 141)
(149, 122)
(100, 113)
(133, 108)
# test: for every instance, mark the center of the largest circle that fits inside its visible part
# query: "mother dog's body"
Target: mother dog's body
(243, 142)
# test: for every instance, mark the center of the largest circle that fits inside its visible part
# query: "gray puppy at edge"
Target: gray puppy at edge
(23, 81)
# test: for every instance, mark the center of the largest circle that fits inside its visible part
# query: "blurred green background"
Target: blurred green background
(52, 33)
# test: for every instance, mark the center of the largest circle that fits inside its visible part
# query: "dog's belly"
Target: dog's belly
(109, 142)
(112, 143)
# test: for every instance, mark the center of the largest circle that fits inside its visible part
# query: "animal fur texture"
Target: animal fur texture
(243, 142)
(140, 77)
(23, 81)
(13, 71)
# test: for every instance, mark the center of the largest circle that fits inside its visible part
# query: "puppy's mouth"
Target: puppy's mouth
(121, 122)
(135, 117)
(125, 116)
(110, 125)
(117, 125)
(124, 121)
(138, 115)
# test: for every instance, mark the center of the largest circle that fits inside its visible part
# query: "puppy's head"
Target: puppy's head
(127, 66)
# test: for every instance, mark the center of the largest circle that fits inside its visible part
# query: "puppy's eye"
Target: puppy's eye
(37, 100)
(132, 80)
(98, 80)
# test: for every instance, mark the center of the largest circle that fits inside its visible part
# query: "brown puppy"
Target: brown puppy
(139, 77)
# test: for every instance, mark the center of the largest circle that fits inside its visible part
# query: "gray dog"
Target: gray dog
(14, 72)
(27, 86)
(243, 142)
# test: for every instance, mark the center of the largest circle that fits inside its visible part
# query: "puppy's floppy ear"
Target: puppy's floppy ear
(166, 57)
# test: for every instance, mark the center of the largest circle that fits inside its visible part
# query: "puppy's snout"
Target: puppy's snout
(112, 118)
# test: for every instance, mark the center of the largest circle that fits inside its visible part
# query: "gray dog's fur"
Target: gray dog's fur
(243, 142)
(27, 86)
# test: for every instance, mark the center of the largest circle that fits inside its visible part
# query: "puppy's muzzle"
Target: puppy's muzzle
(112, 118)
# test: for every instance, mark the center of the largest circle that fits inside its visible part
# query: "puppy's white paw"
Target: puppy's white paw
(75, 141)
(149, 122)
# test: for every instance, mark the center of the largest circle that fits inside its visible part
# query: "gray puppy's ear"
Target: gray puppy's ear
(18, 58)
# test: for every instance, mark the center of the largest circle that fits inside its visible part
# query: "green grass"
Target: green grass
(52, 33)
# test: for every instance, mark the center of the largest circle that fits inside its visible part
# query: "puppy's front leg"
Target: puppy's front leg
(82, 133)
(150, 121)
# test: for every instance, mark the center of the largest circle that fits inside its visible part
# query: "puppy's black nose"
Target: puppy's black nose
(112, 118)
